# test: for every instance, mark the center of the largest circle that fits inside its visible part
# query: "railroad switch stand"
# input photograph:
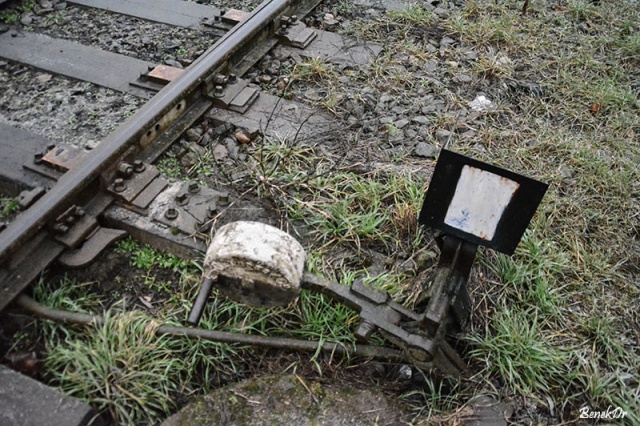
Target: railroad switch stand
(469, 202)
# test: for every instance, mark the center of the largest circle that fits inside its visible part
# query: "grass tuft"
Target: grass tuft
(121, 367)
(8, 206)
(527, 354)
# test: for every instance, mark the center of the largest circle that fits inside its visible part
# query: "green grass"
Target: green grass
(121, 367)
(146, 257)
(9, 16)
(525, 353)
(12, 15)
(8, 206)
(339, 206)
(556, 323)
(559, 325)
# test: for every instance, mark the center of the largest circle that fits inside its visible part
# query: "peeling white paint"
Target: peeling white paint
(479, 202)
(265, 263)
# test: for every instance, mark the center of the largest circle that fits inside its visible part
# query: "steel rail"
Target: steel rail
(127, 136)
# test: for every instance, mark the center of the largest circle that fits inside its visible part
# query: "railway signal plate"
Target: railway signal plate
(479, 202)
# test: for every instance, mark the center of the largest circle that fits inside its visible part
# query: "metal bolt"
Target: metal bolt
(70, 220)
(223, 199)
(218, 91)
(212, 211)
(420, 355)
(221, 79)
(194, 187)
(171, 213)
(364, 330)
(38, 158)
(79, 212)
(182, 199)
(138, 166)
(233, 78)
(294, 18)
(119, 185)
(60, 229)
(125, 169)
(50, 147)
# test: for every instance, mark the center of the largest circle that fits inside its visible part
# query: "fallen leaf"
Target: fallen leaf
(26, 363)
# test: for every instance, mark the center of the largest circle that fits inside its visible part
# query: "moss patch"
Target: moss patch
(288, 399)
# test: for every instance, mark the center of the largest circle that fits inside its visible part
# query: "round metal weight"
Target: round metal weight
(256, 264)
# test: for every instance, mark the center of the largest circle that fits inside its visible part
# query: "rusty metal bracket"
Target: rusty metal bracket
(73, 226)
(63, 158)
(92, 247)
(379, 312)
(295, 34)
(28, 197)
(232, 93)
(447, 297)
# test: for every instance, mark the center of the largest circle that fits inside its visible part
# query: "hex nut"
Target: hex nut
(223, 199)
(125, 169)
(182, 199)
(194, 187)
(119, 185)
(212, 211)
(171, 213)
(138, 166)
(364, 330)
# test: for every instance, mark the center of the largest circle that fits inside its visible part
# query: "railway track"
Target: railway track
(78, 199)
(57, 179)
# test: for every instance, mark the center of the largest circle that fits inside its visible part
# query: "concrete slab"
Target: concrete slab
(486, 411)
(278, 117)
(290, 400)
(172, 12)
(76, 61)
(26, 402)
(18, 147)
(341, 51)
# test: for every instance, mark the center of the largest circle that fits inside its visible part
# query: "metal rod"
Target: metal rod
(378, 352)
(73, 182)
(201, 301)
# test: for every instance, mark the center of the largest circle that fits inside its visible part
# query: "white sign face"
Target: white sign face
(479, 202)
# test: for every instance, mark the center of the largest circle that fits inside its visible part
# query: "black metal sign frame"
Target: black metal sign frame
(524, 195)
